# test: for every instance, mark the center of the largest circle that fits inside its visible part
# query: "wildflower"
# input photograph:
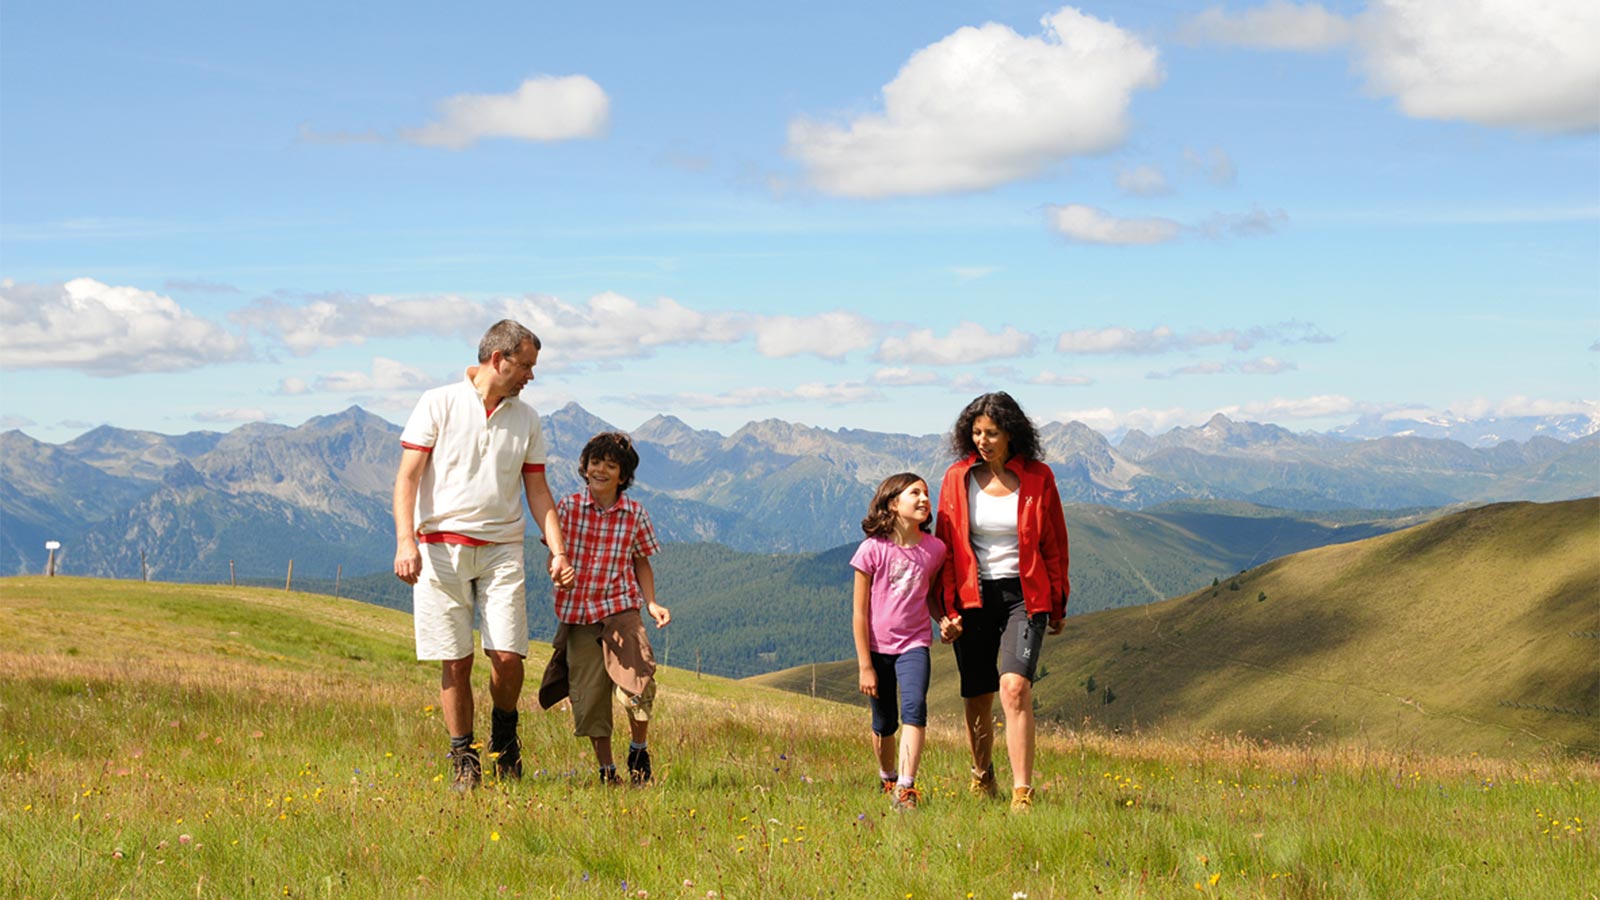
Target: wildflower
(494, 835)
(1215, 877)
(185, 839)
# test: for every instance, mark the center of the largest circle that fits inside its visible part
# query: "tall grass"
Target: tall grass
(172, 741)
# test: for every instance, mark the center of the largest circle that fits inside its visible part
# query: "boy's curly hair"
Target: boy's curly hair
(1008, 415)
(611, 446)
(880, 518)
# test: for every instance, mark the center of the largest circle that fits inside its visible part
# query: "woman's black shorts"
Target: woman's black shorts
(998, 637)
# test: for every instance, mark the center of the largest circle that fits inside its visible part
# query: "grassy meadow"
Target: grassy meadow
(186, 741)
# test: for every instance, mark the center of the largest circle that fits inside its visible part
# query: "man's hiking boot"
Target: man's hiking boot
(508, 761)
(639, 766)
(466, 770)
(1022, 800)
(982, 784)
(906, 799)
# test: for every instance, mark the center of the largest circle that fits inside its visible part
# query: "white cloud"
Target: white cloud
(234, 416)
(830, 394)
(292, 387)
(1266, 365)
(542, 109)
(1054, 379)
(1109, 421)
(982, 107)
(1527, 64)
(968, 342)
(1215, 164)
(1165, 339)
(611, 326)
(330, 321)
(1531, 64)
(106, 331)
(902, 376)
(1142, 181)
(1095, 226)
(830, 335)
(1480, 408)
(1278, 25)
(8, 422)
(1257, 222)
(386, 375)
(1317, 407)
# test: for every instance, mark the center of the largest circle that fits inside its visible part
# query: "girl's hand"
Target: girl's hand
(1056, 625)
(949, 628)
(869, 682)
(660, 613)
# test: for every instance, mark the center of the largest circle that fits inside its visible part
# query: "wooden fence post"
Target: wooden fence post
(289, 579)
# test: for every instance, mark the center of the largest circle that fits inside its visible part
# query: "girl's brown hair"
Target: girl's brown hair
(880, 518)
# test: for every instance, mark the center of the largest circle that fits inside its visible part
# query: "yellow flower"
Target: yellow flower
(494, 835)
(1215, 877)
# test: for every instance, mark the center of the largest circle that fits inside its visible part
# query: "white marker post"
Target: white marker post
(50, 567)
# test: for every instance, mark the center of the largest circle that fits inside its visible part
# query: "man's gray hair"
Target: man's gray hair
(505, 336)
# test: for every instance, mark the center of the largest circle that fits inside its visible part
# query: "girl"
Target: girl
(895, 569)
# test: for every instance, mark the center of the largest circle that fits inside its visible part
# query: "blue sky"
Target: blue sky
(1130, 214)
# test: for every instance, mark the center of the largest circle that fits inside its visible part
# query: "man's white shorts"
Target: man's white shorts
(462, 588)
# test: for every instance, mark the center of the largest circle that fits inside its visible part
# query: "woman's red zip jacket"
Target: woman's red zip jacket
(1041, 535)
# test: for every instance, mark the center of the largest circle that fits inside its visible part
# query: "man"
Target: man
(470, 452)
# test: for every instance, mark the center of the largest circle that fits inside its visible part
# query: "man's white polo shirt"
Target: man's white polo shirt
(472, 485)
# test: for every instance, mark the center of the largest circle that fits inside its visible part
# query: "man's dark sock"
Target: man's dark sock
(504, 732)
(460, 743)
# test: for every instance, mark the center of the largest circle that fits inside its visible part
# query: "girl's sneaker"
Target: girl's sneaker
(887, 785)
(906, 798)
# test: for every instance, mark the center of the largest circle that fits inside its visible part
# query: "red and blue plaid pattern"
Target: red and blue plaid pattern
(601, 544)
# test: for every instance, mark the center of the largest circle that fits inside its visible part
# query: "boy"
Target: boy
(601, 647)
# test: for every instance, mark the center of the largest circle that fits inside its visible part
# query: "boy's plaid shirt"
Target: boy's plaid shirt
(601, 545)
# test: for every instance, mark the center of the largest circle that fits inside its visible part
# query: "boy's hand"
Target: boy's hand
(949, 628)
(869, 682)
(660, 613)
(563, 576)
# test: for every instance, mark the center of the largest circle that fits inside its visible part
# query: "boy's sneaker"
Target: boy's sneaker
(906, 798)
(466, 768)
(508, 761)
(1022, 800)
(982, 784)
(639, 766)
(609, 776)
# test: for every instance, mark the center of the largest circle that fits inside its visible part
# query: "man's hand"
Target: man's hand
(660, 613)
(949, 628)
(562, 574)
(1056, 625)
(407, 562)
(869, 682)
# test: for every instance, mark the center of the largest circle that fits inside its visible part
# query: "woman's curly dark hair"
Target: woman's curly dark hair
(1008, 415)
(880, 518)
(611, 446)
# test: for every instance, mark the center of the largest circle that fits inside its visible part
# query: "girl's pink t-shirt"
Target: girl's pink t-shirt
(897, 615)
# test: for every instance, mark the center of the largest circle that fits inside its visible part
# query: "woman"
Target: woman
(1004, 582)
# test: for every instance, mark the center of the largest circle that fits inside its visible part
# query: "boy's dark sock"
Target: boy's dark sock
(638, 763)
(608, 775)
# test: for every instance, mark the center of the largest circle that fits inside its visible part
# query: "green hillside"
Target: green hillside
(1476, 632)
(186, 741)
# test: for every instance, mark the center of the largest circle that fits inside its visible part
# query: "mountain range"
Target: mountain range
(179, 507)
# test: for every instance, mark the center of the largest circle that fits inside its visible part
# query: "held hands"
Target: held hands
(660, 613)
(949, 628)
(1056, 625)
(869, 682)
(407, 562)
(562, 576)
